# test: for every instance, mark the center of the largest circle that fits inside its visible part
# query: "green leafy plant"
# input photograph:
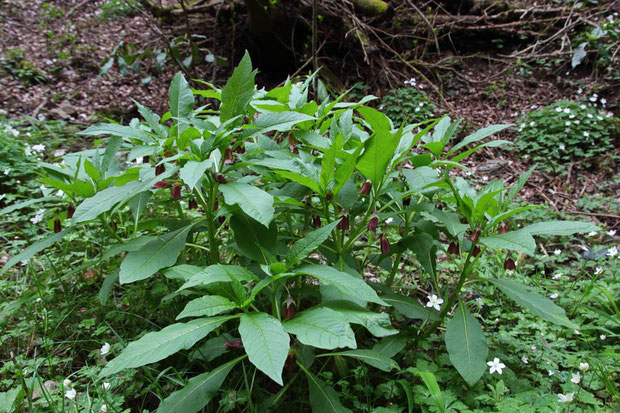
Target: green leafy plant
(600, 42)
(15, 63)
(118, 8)
(409, 105)
(272, 208)
(567, 132)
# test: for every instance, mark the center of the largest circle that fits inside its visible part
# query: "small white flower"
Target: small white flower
(603, 101)
(27, 150)
(106, 385)
(562, 146)
(104, 408)
(568, 123)
(566, 110)
(584, 367)
(602, 337)
(210, 58)
(557, 276)
(558, 109)
(495, 366)
(579, 91)
(139, 159)
(105, 349)
(577, 122)
(59, 152)
(592, 234)
(532, 123)
(533, 348)
(594, 98)
(38, 217)
(550, 373)
(576, 378)
(554, 296)
(590, 116)
(571, 116)
(66, 383)
(582, 106)
(586, 134)
(38, 148)
(6, 171)
(566, 398)
(577, 332)
(599, 117)
(485, 178)
(557, 252)
(524, 360)
(598, 271)
(434, 302)
(389, 220)
(479, 302)
(70, 394)
(610, 233)
(42, 187)
(60, 194)
(612, 252)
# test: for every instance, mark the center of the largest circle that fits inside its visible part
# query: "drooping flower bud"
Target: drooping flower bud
(474, 236)
(509, 264)
(385, 245)
(329, 195)
(476, 251)
(406, 201)
(344, 222)
(57, 226)
(453, 248)
(145, 159)
(289, 308)
(176, 191)
(216, 204)
(113, 226)
(228, 154)
(316, 221)
(365, 190)
(160, 169)
(503, 228)
(161, 184)
(290, 365)
(373, 223)
(192, 204)
(233, 344)
(70, 211)
(220, 178)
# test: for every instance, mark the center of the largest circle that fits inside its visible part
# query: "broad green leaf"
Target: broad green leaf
(34, 249)
(113, 145)
(371, 357)
(321, 328)
(238, 91)
(477, 136)
(343, 281)
(266, 343)
(206, 306)
(193, 171)
(180, 98)
(391, 346)
(377, 120)
(138, 203)
(515, 188)
(152, 257)
(25, 204)
(513, 240)
(158, 345)
(378, 324)
(300, 179)
(198, 392)
(536, 303)
(328, 163)
(423, 246)
(323, 398)
(255, 202)
(466, 345)
(560, 228)
(116, 130)
(10, 400)
(152, 119)
(131, 245)
(106, 287)
(219, 273)
(378, 152)
(431, 384)
(252, 238)
(450, 220)
(303, 247)
(105, 200)
(407, 306)
(283, 121)
(419, 178)
(345, 170)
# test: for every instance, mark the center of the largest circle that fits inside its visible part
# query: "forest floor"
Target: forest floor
(56, 51)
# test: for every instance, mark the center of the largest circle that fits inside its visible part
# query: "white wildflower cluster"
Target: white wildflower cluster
(410, 82)
(38, 216)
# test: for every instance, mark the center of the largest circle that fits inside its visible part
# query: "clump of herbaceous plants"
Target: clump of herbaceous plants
(567, 132)
(297, 200)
